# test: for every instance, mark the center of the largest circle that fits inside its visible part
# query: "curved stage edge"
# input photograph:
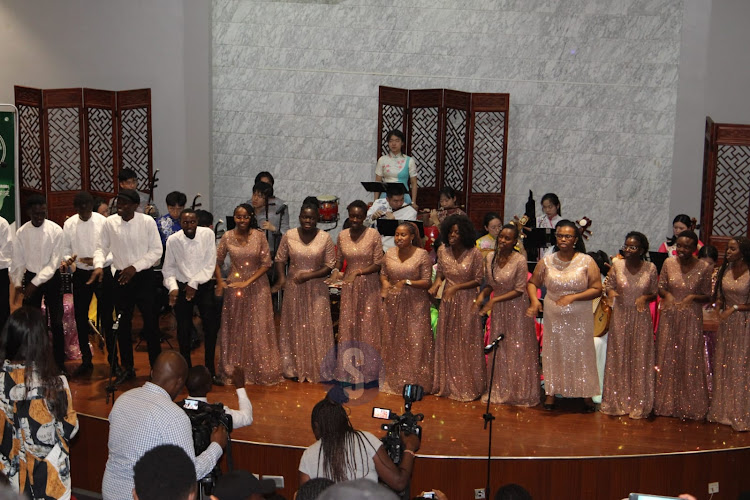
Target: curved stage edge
(555, 455)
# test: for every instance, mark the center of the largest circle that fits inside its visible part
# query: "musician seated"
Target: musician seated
(169, 223)
(448, 206)
(270, 212)
(390, 207)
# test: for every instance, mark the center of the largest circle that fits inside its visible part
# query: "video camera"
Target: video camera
(408, 423)
(204, 418)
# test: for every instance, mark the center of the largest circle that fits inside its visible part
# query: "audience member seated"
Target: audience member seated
(512, 491)
(361, 489)
(199, 385)
(313, 488)
(165, 473)
(34, 396)
(146, 417)
(242, 485)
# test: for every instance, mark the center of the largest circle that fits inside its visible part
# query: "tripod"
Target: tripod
(113, 353)
(488, 416)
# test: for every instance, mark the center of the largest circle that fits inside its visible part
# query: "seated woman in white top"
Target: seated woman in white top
(397, 167)
(343, 454)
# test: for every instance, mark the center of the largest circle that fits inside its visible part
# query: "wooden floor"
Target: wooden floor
(451, 430)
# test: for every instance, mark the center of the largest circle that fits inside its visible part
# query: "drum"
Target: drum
(430, 235)
(329, 208)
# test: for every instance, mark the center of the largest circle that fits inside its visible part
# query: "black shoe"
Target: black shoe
(589, 407)
(127, 374)
(83, 370)
(216, 380)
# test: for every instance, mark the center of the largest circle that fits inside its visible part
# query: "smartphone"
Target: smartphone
(646, 496)
(190, 404)
(383, 413)
(428, 494)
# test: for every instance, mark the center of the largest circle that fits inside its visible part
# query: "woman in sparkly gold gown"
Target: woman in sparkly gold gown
(684, 284)
(248, 335)
(572, 280)
(730, 403)
(516, 380)
(306, 331)
(407, 336)
(459, 357)
(629, 371)
(360, 309)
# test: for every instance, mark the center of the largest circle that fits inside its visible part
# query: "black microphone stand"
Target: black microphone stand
(488, 416)
(111, 387)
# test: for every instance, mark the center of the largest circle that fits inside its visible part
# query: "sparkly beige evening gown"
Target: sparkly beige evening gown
(248, 336)
(306, 330)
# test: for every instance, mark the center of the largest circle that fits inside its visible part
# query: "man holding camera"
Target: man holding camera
(146, 417)
(199, 385)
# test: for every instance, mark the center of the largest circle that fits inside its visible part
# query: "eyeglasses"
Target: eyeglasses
(565, 236)
(632, 248)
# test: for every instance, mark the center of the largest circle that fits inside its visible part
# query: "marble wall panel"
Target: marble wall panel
(593, 87)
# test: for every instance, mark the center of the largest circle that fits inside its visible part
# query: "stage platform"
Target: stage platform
(555, 455)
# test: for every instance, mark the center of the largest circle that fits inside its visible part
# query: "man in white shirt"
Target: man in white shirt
(189, 265)
(6, 255)
(80, 235)
(134, 242)
(199, 385)
(34, 270)
(390, 207)
(146, 417)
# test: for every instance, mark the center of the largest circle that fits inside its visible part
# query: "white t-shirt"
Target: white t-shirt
(361, 455)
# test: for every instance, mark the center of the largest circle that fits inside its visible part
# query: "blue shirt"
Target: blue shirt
(167, 227)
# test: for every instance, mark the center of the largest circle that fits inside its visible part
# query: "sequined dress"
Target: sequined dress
(568, 355)
(306, 330)
(247, 337)
(407, 336)
(361, 306)
(516, 380)
(680, 365)
(730, 403)
(629, 370)
(459, 358)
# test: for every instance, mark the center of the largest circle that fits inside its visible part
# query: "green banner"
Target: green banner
(7, 166)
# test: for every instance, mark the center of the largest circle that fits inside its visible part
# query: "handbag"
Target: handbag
(602, 316)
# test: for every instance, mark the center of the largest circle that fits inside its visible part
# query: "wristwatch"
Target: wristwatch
(408, 282)
(736, 307)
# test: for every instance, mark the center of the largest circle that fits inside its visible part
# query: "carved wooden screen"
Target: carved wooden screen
(725, 210)
(458, 139)
(78, 139)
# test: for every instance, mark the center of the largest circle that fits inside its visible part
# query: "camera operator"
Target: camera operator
(146, 417)
(199, 385)
(343, 454)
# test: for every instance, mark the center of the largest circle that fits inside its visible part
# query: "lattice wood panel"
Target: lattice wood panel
(135, 144)
(64, 139)
(101, 150)
(424, 140)
(455, 148)
(30, 139)
(489, 149)
(732, 190)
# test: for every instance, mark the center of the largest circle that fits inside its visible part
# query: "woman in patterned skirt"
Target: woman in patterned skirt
(516, 380)
(459, 358)
(306, 331)
(629, 371)
(730, 403)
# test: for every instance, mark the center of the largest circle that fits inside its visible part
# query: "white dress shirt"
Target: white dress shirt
(141, 419)
(38, 250)
(189, 261)
(6, 244)
(403, 213)
(81, 237)
(133, 243)
(242, 417)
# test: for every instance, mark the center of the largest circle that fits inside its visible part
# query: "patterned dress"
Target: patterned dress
(568, 356)
(730, 403)
(306, 331)
(248, 335)
(516, 380)
(680, 365)
(407, 336)
(459, 358)
(34, 446)
(629, 370)
(361, 306)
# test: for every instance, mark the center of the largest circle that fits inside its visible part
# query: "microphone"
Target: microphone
(494, 344)
(281, 209)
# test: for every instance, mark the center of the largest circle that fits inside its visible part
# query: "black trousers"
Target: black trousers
(82, 294)
(4, 297)
(183, 309)
(51, 291)
(139, 291)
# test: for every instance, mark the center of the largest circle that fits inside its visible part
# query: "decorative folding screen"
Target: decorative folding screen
(458, 139)
(725, 204)
(79, 139)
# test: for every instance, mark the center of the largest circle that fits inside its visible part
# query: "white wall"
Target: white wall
(120, 45)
